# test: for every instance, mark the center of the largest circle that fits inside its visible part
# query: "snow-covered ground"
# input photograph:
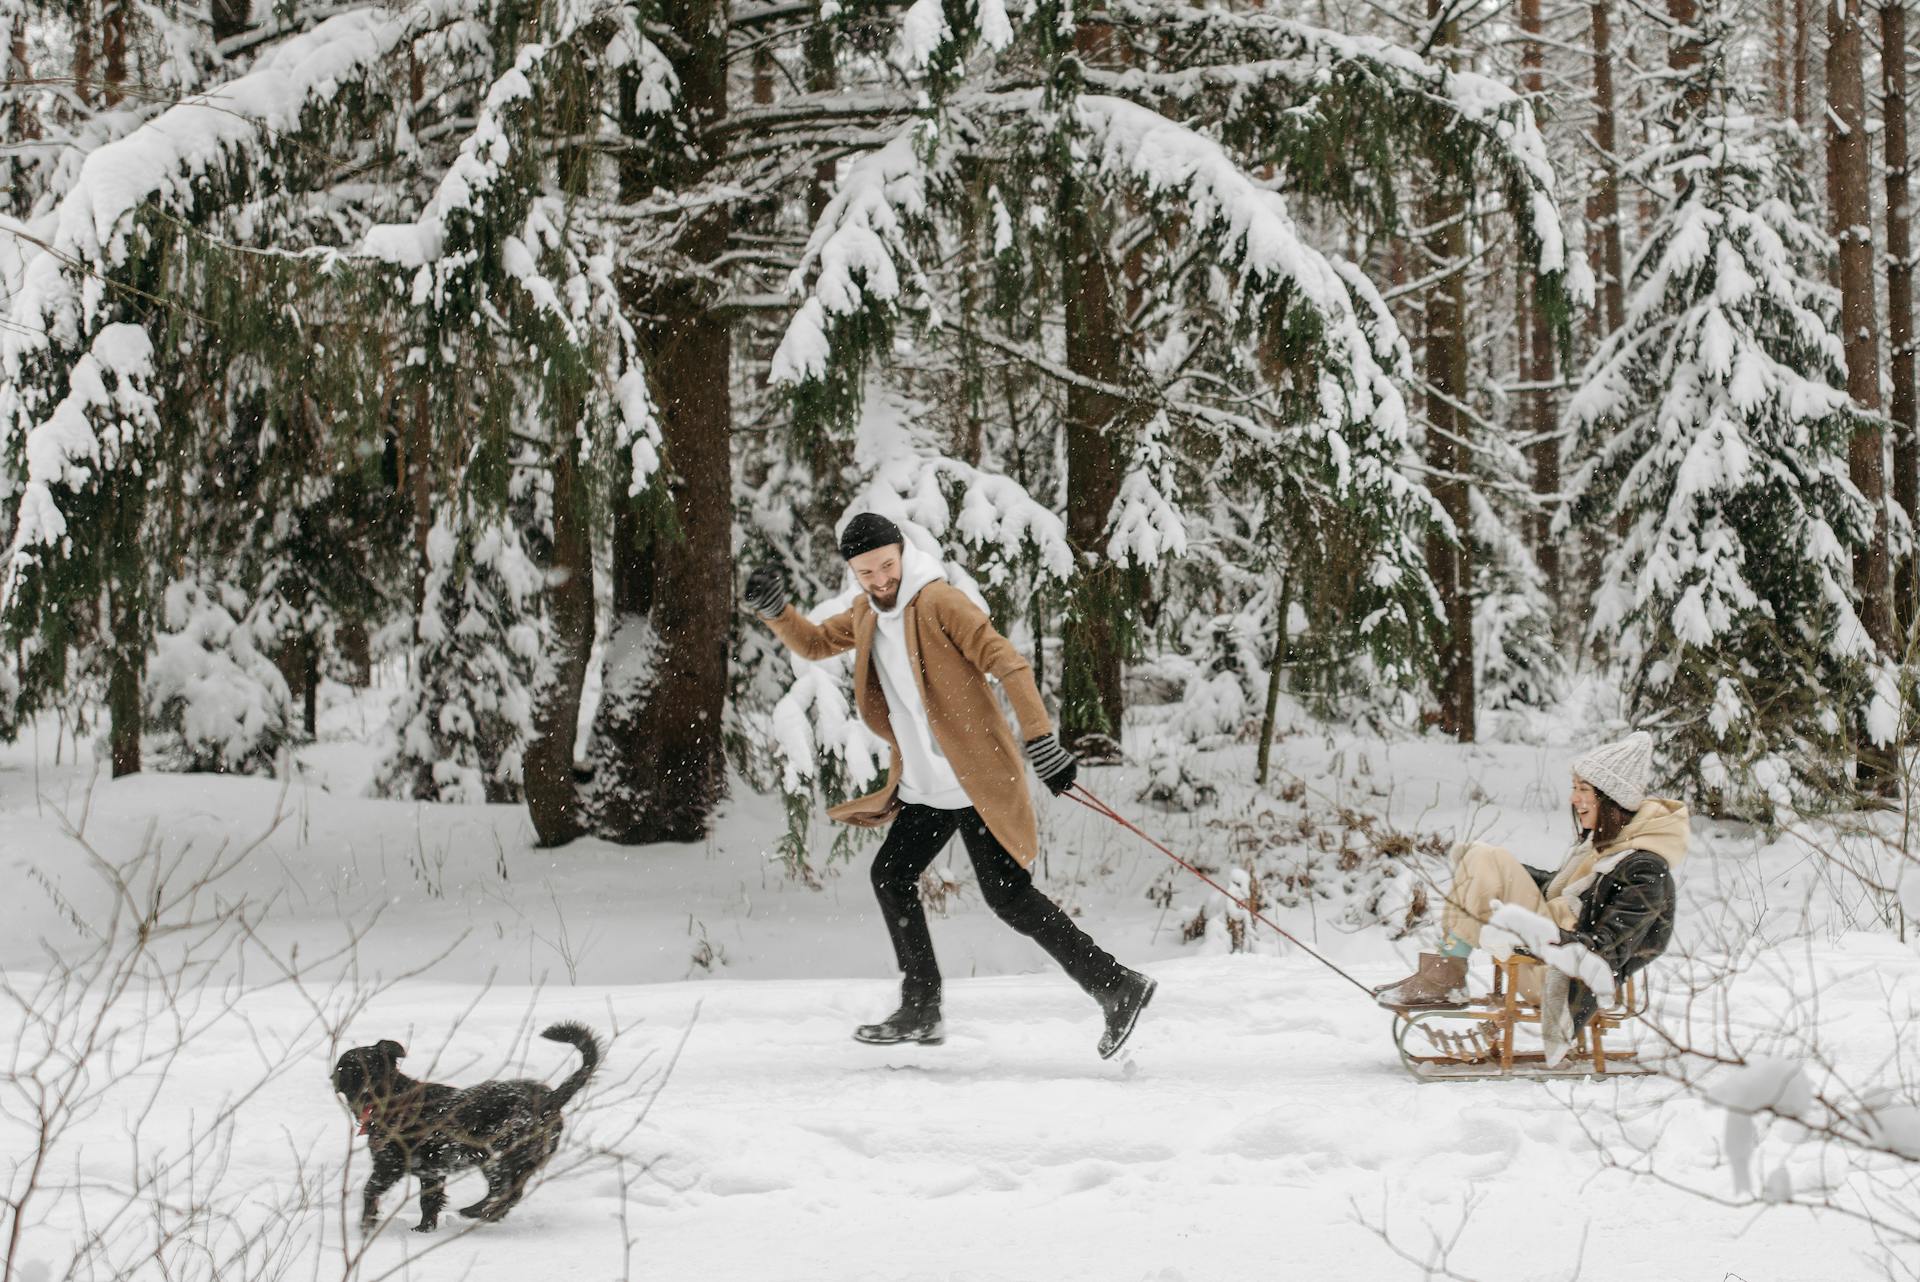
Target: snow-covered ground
(1258, 1127)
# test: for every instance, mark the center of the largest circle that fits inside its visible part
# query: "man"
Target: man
(922, 653)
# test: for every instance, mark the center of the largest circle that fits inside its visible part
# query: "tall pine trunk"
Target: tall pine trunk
(1849, 167)
(1904, 410)
(1092, 700)
(1444, 357)
(22, 122)
(660, 769)
(553, 800)
(113, 49)
(1802, 61)
(1537, 348)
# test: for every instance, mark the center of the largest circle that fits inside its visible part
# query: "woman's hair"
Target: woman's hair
(1613, 817)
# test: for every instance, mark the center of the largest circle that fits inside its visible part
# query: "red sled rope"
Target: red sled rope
(1080, 794)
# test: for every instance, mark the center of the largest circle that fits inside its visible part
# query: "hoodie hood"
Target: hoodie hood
(917, 569)
(1659, 827)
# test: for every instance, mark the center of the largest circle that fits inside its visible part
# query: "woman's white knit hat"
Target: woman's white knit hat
(1620, 769)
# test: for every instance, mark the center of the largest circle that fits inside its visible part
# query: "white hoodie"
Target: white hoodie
(926, 776)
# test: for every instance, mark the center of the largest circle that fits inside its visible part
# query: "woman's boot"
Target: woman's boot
(1439, 984)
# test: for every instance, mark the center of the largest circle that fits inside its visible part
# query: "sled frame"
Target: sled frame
(1497, 1016)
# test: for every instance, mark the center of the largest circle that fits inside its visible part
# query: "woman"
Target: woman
(1614, 893)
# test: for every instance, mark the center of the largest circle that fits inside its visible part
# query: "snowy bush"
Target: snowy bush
(214, 697)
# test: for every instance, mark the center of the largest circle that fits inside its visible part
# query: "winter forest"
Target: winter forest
(429, 436)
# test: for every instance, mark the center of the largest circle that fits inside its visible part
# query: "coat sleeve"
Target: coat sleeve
(814, 641)
(1630, 925)
(973, 633)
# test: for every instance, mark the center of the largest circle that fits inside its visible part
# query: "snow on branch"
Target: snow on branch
(926, 38)
(1263, 64)
(106, 409)
(1255, 239)
(62, 294)
(861, 260)
(908, 479)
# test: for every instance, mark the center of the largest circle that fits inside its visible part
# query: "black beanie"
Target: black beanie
(866, 532)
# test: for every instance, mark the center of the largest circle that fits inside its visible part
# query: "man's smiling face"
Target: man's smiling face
(878, 572)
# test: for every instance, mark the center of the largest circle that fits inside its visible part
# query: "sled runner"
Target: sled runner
(1476, 1041)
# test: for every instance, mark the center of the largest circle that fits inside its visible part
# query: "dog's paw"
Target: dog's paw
(369, 1226)
(425, 1226)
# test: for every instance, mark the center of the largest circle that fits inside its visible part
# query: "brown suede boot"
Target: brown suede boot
(1439, 984)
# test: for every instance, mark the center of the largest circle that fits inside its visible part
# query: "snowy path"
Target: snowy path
(1260, 1118)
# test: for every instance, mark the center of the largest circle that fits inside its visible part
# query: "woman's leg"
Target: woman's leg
(1482, 874)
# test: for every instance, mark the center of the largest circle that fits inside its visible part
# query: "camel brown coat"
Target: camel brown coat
(954, 648)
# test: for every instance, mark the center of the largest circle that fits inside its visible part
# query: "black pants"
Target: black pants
(916, 836)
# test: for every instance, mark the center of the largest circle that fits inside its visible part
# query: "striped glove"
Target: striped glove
(767, 591)
(1053, 763)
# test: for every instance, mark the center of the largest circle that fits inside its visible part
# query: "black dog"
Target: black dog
(507, 1129)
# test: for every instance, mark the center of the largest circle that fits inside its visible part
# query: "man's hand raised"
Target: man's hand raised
(767, 591)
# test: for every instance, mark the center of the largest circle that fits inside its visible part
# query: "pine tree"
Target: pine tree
(1713, 428)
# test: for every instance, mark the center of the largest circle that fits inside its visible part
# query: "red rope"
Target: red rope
(1080, 794)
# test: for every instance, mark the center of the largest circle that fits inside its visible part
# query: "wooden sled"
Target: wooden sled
(1476, 1042)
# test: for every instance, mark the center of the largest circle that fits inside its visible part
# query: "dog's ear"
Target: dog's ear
(392, 1050)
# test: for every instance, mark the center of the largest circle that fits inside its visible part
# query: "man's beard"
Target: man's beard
(885, 602)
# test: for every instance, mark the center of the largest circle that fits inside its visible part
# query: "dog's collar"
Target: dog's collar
(366, 1116)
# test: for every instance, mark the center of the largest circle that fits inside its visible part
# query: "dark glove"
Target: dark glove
(767, 591)
(1053, 763)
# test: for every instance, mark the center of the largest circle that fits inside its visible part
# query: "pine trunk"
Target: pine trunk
(553, 799)
(127, 662)
(1537, 346)
(1904, 411)
(660, 769)
(22, 122)
(83, 51)
(1092, 700)
(1802, 61)
(113, 49)
(1849, 167)
(1444, 356)
(1604, 212)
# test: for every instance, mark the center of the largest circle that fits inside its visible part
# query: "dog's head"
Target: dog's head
(365, 1074)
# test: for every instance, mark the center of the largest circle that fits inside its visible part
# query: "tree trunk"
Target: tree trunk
(1904, 411)
(83, 51)
(821, 77)
(113, 49)
(660, 768)
(1092, 701)
(1802, 61)
(22, 122)
(1537, 348)
(1604, 212)
(553, 799)
(1444, 355)
(1850, 169)
(127, 662)
(1276, 669)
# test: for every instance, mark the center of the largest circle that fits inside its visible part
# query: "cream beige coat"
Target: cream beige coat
(954, 648)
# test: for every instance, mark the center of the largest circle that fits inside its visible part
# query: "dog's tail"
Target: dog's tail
(582, 1040)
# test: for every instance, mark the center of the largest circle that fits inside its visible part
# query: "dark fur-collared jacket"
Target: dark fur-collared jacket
(1621, 902)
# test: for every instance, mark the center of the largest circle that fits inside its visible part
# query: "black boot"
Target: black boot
(1123, 1004)
(908, 1024)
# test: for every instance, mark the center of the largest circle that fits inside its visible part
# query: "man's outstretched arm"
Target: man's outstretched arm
(767, 594)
